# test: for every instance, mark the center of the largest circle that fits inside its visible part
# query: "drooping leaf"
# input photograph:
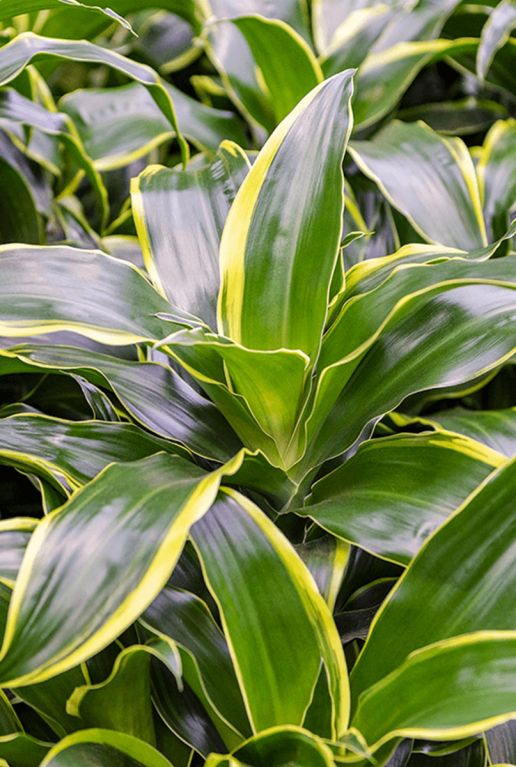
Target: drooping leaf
(154, 395)
(463, 576)
(145, 507)
(449, 690)
(112, 140)
(395, 491)
(112, 301)
(122, 702)
(440, 195)
(494, 428)
(27, 47)
(72, 452)
(103, 748)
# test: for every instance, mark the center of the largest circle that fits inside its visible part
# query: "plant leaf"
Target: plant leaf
(244, 556)
(440, 195)
(395, 491)
(280, 243)
(184, 261)
(463, 575)
(145, 506)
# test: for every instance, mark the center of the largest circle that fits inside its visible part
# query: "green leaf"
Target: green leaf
(460, 118)
(184, 261)
(103, 748)
(27, 47)
(45, 289)
(19, 110)
(494, 428)
(270, 385)
(447, 691)
(369, 274)
(154, 395)
(245, 558)
(114, 141)
(463, 575)
(206, 660)
(495, 34)
(395, 491)
(501, 743)
(407, 350)
(70, 453)
(281, 747)
(122, 702)
(14, 537)
(385, 75)
(439, 194)
(19, 218)
(145, 506)
(286, 63)
(280, 243)
(496, 172)
(231, 56)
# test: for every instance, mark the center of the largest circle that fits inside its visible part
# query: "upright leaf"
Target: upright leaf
(280, 243)
(245, 559)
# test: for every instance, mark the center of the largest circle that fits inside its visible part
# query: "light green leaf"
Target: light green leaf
(395, 491)
(112, 140)
(439, 194)
(45, 289)
(496, 172)
(184, 261)
(270, 384)
(245, 558)
(286, 63)
(27, 47)
(495, 34)
(280, 243)
(463, 575)
(145, 507)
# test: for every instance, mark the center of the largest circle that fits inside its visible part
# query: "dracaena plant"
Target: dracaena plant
(261, 535)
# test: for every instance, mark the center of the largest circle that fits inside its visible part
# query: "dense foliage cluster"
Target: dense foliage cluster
(257, 384)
